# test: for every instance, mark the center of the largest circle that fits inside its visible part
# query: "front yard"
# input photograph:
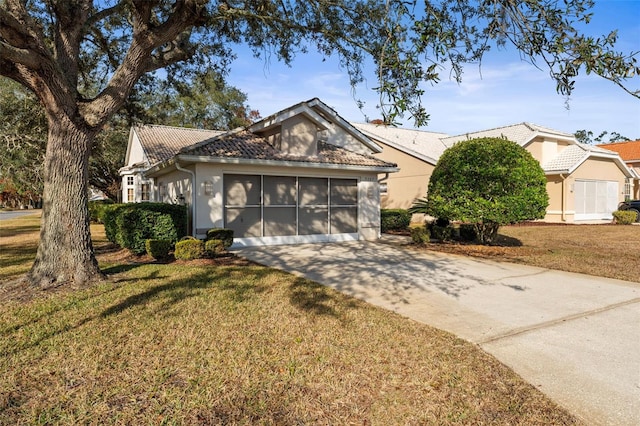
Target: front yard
(233, 343)
(611, 251)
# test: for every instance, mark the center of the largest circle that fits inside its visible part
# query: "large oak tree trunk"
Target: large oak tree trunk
(65, 252)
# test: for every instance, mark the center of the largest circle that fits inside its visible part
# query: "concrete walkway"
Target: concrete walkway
(575, 337)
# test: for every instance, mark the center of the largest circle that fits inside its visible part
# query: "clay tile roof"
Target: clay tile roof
(629, 151)
(163, 142)
(246, 145)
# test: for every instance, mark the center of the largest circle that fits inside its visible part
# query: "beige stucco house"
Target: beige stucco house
(301, 175)
(629, 151)
(584, 182)
(415, 151)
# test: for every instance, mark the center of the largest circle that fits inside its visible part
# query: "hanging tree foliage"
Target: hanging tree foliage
(82, 59)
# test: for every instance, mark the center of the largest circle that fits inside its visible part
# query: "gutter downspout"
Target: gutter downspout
(193, 196)
(564, 197)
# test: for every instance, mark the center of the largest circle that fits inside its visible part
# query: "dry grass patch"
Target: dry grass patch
(602, 250)
(242, 344)
(18, 244)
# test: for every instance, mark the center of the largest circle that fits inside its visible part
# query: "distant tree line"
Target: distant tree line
(587, 136)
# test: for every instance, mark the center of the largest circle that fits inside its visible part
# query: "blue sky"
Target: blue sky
(504, 91)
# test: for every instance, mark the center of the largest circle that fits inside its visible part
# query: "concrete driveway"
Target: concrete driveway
(575, 337)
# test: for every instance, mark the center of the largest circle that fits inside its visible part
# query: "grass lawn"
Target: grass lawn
(228, 342)
(602, 250)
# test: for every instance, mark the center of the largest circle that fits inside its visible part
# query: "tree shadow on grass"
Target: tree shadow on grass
(13, 231)
(175, 291)
(165, 294)
(318, 299)
(121, 268)
(506, 241)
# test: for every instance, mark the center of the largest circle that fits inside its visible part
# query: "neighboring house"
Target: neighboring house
(415, 151)
(303, 174)
(583, 182)
(150, 145)
(629, 151)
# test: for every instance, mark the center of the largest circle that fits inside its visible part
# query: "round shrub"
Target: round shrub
(158, 249)
(488, 182)
(394, 220)
(214, 248)
(624, 217)
(222, 234)
(189, 249)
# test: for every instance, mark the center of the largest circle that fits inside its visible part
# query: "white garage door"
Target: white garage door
(595, 199)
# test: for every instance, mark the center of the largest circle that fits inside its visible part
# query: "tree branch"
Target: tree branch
(18, 56)
(103, 14)
(139, 59)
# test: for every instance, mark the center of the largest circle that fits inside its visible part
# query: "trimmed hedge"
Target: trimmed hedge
(158, 249)
(189, 249)
(130, 225)
(624, 217)
(394, 219)
(222, 234)
(214, 247)
(96, 209)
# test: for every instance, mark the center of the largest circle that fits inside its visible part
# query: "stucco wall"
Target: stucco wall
(535, 148)
(299, 136)
(170, 187)
(545, 149)
(409, 183)
(556, 189)
(337, 136)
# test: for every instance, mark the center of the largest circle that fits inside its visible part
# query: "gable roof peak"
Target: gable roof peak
(321, 114)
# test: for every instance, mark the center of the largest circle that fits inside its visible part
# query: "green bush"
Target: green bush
(488, 182)
(96, 209)
(189, 249)
(109, 215)
(158, 249)
(223, 234)
(394, 220)
(129, 225)
(214, 247)
(468, 232)
(420, 235)
(624, 217)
